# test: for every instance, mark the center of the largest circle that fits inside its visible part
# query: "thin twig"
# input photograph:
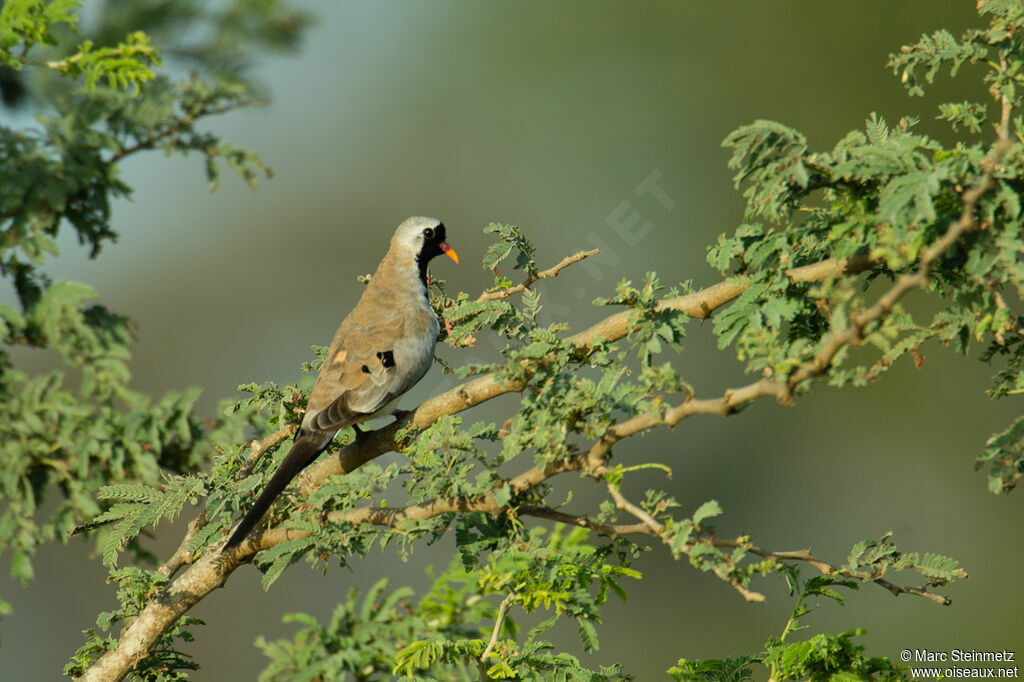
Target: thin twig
(658, 529)
(257, 448)
(607, 529)
(179, 126)
(535, 276)
(625, 505)
(498, 622)
(827, 568)
(182, 556)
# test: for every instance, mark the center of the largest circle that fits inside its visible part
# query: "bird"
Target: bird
(381, 350)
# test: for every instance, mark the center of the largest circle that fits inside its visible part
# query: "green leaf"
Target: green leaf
(707, 510)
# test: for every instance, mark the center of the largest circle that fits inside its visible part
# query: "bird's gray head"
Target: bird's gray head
(421, 239)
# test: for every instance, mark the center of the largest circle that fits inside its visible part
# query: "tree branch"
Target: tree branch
(181, 555)
(533, 277)
(178, 127)
(257, 448)
(498, 621)
(606, 529)
(208, 573)
(827, 568)
(614, 327)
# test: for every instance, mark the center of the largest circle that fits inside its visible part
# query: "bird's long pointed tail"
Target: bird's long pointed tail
(304, 450)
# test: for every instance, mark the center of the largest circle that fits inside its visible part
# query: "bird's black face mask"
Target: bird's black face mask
(433, 245)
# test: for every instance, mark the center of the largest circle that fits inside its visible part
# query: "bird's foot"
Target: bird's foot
(399, 414)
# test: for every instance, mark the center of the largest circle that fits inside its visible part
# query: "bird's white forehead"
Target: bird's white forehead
(409, 232)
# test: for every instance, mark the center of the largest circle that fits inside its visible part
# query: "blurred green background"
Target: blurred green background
(549, 116)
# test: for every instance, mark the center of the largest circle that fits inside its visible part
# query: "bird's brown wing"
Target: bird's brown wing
(359, 375)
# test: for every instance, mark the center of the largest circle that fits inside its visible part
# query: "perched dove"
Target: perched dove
(384, 346)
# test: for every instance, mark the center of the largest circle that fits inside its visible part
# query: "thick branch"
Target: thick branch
(614, 327)
(392, 517)
(207, 574)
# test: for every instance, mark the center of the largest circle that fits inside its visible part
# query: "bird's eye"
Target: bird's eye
(428, 233)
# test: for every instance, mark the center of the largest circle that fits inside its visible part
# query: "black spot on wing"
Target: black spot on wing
(387, 359)
(366, 370)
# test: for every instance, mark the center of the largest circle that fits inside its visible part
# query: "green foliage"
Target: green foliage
(24, 24)
(836, 658)
(69, 432)
(439, 637)
(27, 23)
(360, 639)
(884, 196)
(127, 64)
(556, 572)
(1004, 456)
(713, 670)
(829, 657)
(281, 402)
(53, 439)
(878, 557)
(651, 326)
(510, 238)
(363, 636)
(823, 656)
(221, 40)
(135, 506)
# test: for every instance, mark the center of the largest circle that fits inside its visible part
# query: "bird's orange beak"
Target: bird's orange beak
(449, 251)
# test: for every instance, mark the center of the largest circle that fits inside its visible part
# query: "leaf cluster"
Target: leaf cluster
(444, 634)
(558, 572)
(79, 426)
(825, 656)
(877, 201)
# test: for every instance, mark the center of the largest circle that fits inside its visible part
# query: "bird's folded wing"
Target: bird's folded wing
(359, 375)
